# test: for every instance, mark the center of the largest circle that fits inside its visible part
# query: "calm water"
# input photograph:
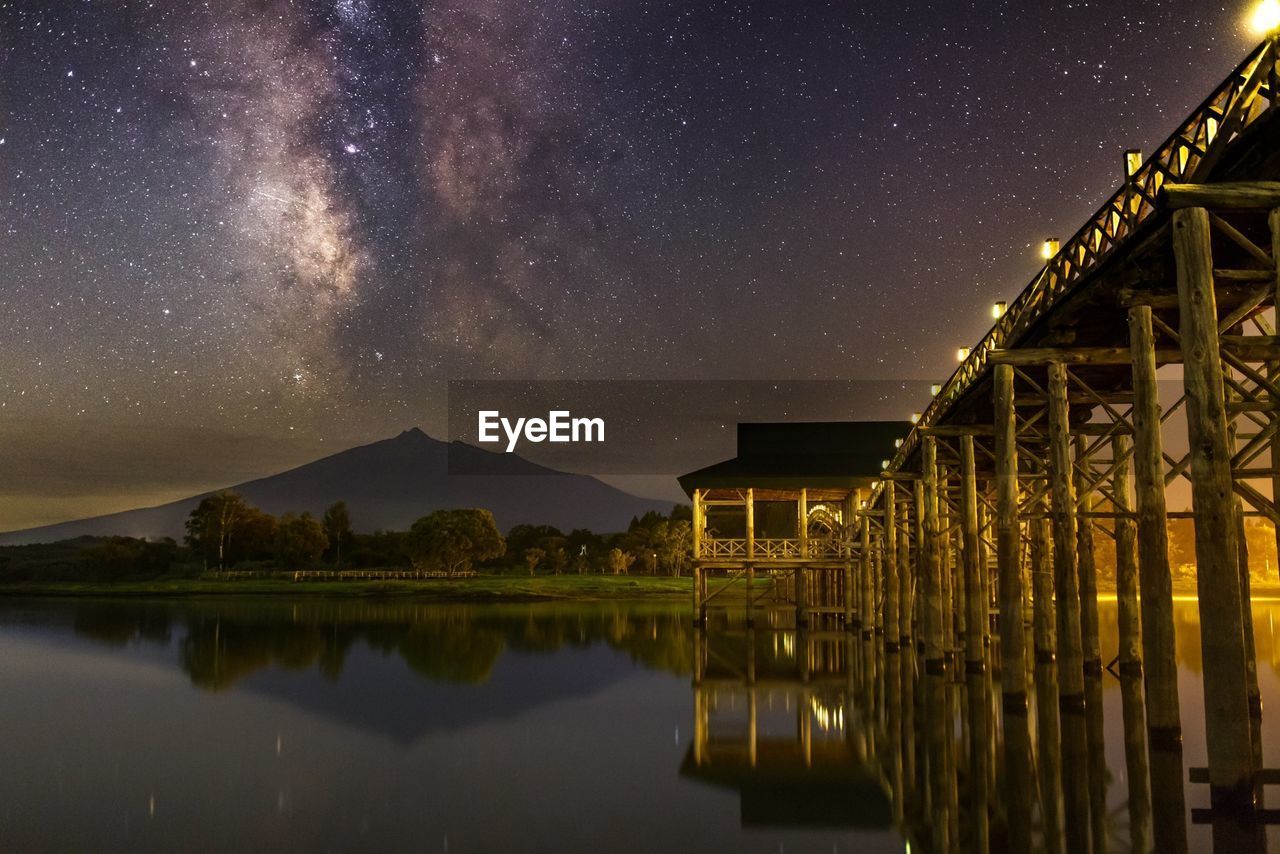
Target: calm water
(249, 725)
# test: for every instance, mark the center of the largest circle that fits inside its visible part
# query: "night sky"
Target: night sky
(237, 235)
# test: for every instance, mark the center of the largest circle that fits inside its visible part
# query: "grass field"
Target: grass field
(481, 588)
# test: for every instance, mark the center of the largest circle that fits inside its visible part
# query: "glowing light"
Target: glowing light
(897, 443)
(1050, 248)
(1265, 17)
(884, 464)
(998, 310)
(935, 390)
(915, 418)
(1132, 162)
(962, 354)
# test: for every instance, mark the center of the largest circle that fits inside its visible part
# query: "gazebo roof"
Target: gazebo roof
(813, 454)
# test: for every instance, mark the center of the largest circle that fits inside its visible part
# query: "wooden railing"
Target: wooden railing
(1186, 156)
(766, 549)
(373, 574)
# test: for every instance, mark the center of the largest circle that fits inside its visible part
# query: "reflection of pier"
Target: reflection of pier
(1043, 454)
(774, 720)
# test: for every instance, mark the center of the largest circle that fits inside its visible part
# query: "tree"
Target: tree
(620, 561)
(557, 554)
(255, 536)
(452, 540)
(533, 557)
(211, 525)
(337, 527)
(300, 540)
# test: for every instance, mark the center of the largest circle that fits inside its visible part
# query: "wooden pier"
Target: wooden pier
(1047, 445)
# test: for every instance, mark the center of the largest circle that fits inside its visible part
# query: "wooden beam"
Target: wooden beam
(1129, 615)
(934, 648)
(889, 560)
(1159, 641)
(1031, 356)
(1226, 700)
(1250, 195)
(1013, 670)
(1063, 511)
(975, 597)
(1086, 562)
(905, 583)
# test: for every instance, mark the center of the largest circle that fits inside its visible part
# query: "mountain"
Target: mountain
(389, 484)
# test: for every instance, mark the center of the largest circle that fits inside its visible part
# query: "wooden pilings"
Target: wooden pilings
(1013, 668)
(1217, 576)
(934, 639)
(889, 560)
(975, 597)
(1155, 580)
(1063, 512)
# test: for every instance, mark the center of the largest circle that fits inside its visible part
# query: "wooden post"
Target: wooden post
(864, 571)
(1063, 511)
(699, 610)
(973, 569)
(905, 575)
(935, 649)
(1043, 613)
(698, 524)
(1013, 668)
(802, 523)
(751, 523)
(890, 564)
(1164, 719)
(1274, 374)
(1086, 566)
(921, 566)
(1129, 617)
(1226, 703)
(802, 595)
(946, 567)
(1159, 642)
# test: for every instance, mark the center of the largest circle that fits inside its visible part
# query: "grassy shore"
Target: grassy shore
(481, 588)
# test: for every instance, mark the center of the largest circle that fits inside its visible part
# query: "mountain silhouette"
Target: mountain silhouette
(389, 484)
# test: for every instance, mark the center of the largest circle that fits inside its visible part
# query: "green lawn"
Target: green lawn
(482, 588)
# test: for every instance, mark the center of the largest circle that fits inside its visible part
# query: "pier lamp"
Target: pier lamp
(915, 418)
(1266, 17)
(1051, 245)
(962, 354)
(935, 390)
(884, 465)
(897, 443)
(1132, 161)
(998, 310)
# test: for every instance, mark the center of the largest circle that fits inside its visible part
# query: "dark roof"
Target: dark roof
(816, 454)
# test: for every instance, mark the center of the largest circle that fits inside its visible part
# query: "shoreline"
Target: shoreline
(483, 588)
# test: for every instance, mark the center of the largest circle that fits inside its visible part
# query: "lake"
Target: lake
(323, 724)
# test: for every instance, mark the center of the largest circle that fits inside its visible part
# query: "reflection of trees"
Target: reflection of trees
(226, 641)
(118, 624)
(1186, 619)
(451, 650)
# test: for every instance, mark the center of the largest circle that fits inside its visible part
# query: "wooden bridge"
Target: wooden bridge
(1051, 432)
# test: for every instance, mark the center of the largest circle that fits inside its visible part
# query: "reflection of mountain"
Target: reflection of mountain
(391, 483)
(345, 660)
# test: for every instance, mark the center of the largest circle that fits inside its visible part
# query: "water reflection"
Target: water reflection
(936, 758)
(541, 727)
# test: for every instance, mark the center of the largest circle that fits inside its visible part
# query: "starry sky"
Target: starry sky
(236, 235)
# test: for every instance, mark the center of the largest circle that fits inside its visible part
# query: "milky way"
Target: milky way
(296, 220)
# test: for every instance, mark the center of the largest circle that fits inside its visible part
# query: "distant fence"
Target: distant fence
(334, 575)
(373, 574)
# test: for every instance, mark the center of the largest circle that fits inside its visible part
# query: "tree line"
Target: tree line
(225, 532)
